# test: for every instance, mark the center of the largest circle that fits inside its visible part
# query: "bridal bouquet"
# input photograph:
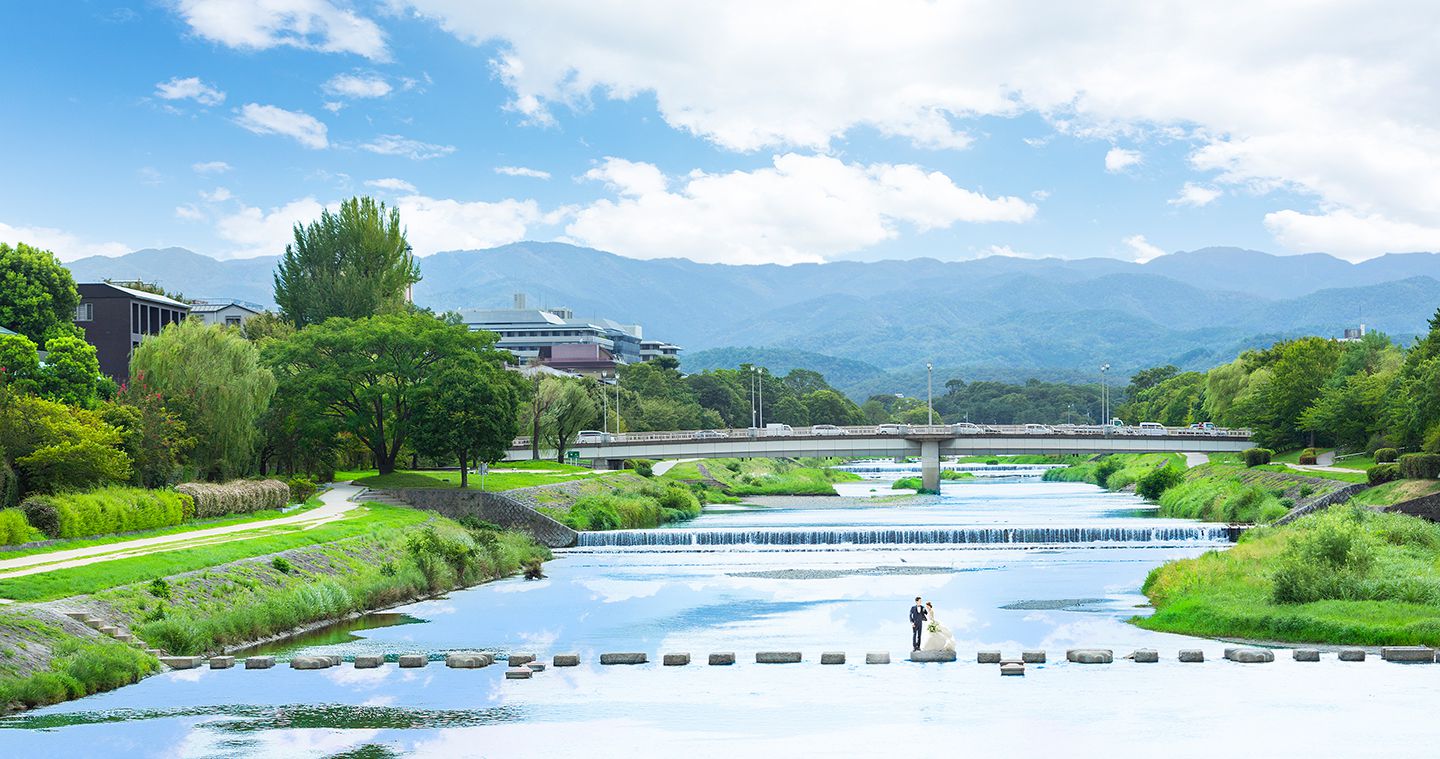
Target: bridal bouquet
(934, 627)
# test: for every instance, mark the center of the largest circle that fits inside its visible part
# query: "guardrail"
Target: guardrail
(900, 430)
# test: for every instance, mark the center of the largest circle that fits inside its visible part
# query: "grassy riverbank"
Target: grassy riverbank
(748, 477)
(508, 475)
(915, 483)
(1346, 575)
(1116, 471)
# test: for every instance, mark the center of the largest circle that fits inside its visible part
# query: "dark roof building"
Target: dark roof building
(115, 319)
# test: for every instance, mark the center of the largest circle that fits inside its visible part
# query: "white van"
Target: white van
(1152, 428)
(1037, 429)
(592, 436)
(826, 429)
(966, 428)
(776, 430)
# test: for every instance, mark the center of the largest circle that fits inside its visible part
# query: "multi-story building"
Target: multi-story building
(555, 337)
(230, 313)
(115, 319)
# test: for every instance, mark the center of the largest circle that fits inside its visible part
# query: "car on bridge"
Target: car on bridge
(1037, 429)
(708, 435)
(774, 430)
(826, 429)
(966, 428)
(1152, 428)
(892, 429)
(592, 436)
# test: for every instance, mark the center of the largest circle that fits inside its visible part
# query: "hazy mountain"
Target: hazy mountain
(876, 325)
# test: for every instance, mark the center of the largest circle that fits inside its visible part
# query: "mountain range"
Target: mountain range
(875, 325)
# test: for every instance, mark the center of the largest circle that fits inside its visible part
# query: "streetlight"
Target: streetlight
(760, 378)
(929, 394)
(1104, 397)
(754, 375)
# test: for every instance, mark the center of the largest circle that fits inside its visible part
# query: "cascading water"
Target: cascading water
(908, 536)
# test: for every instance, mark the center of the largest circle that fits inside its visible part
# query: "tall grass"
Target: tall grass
(645, 506)
(1216, 499)
(78, 669)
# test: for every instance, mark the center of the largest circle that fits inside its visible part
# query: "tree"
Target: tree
(829, 407)
(469, 412)
(216, 375)
(363, 374)
(1413, 409)
(266, 325)
(151, 434)
(55, 447)
(37, 294)
(71, 373)
(19, 364)
(569, 406)
(355, 263)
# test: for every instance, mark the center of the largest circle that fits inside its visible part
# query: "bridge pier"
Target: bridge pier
(930, 465)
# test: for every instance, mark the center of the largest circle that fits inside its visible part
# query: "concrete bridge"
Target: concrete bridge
(928, 443)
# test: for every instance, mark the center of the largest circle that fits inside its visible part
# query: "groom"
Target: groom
(917, 619)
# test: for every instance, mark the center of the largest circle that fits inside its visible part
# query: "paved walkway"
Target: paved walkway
(335, 502)
(661, 467)
(1196, 459)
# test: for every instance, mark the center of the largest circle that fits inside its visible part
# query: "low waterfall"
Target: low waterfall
(908, 536)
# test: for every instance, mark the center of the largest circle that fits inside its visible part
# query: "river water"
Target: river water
(1010, 563)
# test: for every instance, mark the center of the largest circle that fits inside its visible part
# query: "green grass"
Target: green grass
(77, 669)
(1218, 499)
(751, 477)
(1391, 597)
(1318, 473)
(1131, 467)
(1394, 492)
(1025, 458)
(60, 583)
(198, 524)
(915, 483)
(494, 481)
(549, 466)
(1361, 462)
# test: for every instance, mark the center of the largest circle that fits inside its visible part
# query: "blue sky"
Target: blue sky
(737, 133)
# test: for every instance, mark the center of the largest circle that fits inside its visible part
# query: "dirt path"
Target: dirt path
(1195, 459)
(335, 502)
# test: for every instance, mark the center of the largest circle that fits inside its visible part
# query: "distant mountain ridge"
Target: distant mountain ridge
(995, 317)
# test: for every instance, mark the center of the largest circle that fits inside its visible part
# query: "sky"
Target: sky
(737, 132)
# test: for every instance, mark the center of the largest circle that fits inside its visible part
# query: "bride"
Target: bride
(935, 636)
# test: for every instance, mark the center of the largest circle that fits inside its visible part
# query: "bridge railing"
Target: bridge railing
(900, 430)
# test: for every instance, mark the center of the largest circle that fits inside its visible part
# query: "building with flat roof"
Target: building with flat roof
(230, 313)
(555, 337)
(117, 318)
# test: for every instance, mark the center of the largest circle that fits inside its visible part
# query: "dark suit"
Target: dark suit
(917, 619)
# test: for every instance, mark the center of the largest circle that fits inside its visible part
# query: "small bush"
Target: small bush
(534, 569)
(1307, 459)
(1154, 484)
(236, 497)
(642, 467)
(13, 527)
(1104, 469)
(159, 588)
(301, 488)
(388, 569)
(1330, 559)
(41, 514)
(1386, 455)
(1257, 456)
(1382, 473)
(187, 507)
(103, 511)
(281, 564)
(1420, 466)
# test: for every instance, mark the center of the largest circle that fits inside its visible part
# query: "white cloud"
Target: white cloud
(189, 88)
(254, 232)
(218, 195)
(189, 212)
(1340, 102)
(65, 246)
(1195, 195)
(415, 150)
(392, 184)
(358, 86)
(210, 167)
(1007, 252)
(521, 171)
(269, 119)
(1120, 159)
(439, 224)
(305, 24)
(1140, 249)
(1349, 235)
(802, 208)
(333, 106)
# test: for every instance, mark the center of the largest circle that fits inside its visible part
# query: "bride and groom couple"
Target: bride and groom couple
(930, 635)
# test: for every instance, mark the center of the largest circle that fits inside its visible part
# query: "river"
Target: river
(1010, 563)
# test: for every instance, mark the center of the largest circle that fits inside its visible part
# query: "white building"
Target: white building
(556, 338)
(231, 313)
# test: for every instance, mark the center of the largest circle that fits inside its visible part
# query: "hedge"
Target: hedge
(642, 467)
(13, 527)
(301, 488)
(103, 511)
(9, 484)
(1420, 466)
(1257, 456)
(1382, 473)
(1386, 455)
(236, 497)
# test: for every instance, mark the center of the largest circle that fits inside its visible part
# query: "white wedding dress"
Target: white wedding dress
(935, 636)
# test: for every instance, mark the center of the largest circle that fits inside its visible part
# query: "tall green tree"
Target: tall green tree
(363, 375)
(55, 447)
(354, 263)
(569, 407)
(470, 413)
(19, 364)
(71, 373)
(217, 376)
(1413, 406)
(37, 293)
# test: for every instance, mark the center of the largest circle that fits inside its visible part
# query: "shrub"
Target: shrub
(160, 589)
(1307, 459)
(1257, 456)
(103, 511)
(1329, 559)
(13, 527)
(9, 484)
(1420, 466)
(678, 502)
(301, 488)
(236, 497)
(187, 507)
(1104, 469)
(1382, 473)
(642, 467)
(1386, 455)
(281, 564)
(1152, 485)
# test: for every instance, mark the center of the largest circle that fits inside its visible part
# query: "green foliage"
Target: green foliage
(9, 484)
(99, 512)
(37, 293)
(1220, 499)
(642, 467)
(217, 376)
(354, 264)
(14, 530)
(1165, 395)
(54, 447)
(567, 406)
(71, 374)
(1107, 467)
(470, 413)
(1306, 459)
(1420, 466)
(281, 564)
(301, 488)
(154, 437)
(159, 588)
(1154, 484)
(78, 669)
(1004, 403)
(442, 554)
(235, 497)
(1257, 456)
(1331, 559)
(19, 364)
(1382, 473)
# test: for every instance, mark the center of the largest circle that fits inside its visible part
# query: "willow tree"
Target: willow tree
(212, 377)
(353, 263)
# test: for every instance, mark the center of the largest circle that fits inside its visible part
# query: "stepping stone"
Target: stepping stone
(988, 657)
(832, 657)
(222, 662)
(181, 662)
(1306, 654)
(932, 656)
(722, 659)
(94, 623)
(518, 673)
(1408, 654)
(109, 630)
(1032, 657)
(1352, 654)
(1146, 656)
(777, 657)
(78, 616)
(536, 666)
(567, 660)
(311, 662)
(1090, 655)
(259, 662)
(469, 660)
(410, 661)
(877, 657)
(1012, 668)
(624, 658)
(520, 660)
(368, 661)
(154, 652)
(1191, 655)
(675, 660)
(1250, 655)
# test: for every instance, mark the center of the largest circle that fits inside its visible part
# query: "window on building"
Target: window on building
(85, 312)
(134, 318)
(232, 321)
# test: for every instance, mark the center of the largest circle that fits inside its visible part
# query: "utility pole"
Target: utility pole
(929, 394)
(760, 373)
(1104, 397)
(753, 423)
(604, 405)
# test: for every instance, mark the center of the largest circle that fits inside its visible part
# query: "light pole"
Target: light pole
(760, 377)
(753, 375)
(604, 404)
(929, 394)
(1104, 397)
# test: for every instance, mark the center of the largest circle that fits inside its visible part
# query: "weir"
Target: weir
(909, 536)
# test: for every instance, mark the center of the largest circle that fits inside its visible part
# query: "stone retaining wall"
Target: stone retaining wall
(1321, 502)
(1425, 507)
(491, 507)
